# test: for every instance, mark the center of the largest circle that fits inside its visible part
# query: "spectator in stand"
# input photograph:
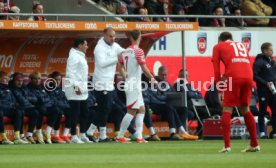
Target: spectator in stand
(256, 8)
(228, 6)
(121, 9)
(203, 7)
(21, 94)
(272, 4)
(163, 9)
(7, 5)
(2, 6)
(217, 22)
(14, 9)
(37, 9)
(179, 10)
(152, 6)
(56, 93)
(187, 4)
(10, 109)
(46, 107)
(141, 11)
(235, 22)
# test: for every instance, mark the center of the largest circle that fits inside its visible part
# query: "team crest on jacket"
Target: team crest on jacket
(202, 42)
(246, 40)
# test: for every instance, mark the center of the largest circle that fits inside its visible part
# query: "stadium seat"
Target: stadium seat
(199, 103)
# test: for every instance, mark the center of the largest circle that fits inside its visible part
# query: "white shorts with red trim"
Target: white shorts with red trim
(134, 99)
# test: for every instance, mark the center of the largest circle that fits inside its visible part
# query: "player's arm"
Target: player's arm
(121, 67)
(146, 71)
(102, 60)
(216, 63)
(140, 57)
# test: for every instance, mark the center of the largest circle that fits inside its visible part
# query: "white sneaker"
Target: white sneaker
(85, 139)
(225, 150)
(252, 149)
(76, 140)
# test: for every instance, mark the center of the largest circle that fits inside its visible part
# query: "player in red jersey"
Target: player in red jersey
(235, 58)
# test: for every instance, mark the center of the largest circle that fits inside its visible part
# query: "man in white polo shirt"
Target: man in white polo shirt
(106, 55)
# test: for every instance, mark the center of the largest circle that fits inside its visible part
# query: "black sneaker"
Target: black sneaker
(92, 138)
(105, 140)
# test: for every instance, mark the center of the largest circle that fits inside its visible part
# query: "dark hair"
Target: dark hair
(36, 5)
(78, 41)
(265, 46)
(135, 34)
(234, 9)
(14, 75)
(225, 36)
(162, 68)
(215, 8)
(54, 74)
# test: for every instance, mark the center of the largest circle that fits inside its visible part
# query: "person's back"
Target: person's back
(132, 57)
(236, 59)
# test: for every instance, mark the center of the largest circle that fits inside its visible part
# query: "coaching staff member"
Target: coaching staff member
(76, 90)
(265, 77)
(106, 58)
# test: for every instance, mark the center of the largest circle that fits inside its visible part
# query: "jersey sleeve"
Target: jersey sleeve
(216, 63)
(140, 56)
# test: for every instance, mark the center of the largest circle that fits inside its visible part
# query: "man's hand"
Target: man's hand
(155, 83)
(269, 85)
(77, 90)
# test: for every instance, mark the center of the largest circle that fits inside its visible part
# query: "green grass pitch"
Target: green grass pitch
(167, 154)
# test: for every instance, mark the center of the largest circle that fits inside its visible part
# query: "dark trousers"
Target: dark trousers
(105, 101)
(14, 115)
(147, 118)
(51, 112)
(32, 114)
(79, 113)
(66, 113)
(184, 115)
(270, 100)
(167, 112)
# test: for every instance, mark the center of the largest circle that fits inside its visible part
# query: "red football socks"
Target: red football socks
(251, 127)
(226, 128)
